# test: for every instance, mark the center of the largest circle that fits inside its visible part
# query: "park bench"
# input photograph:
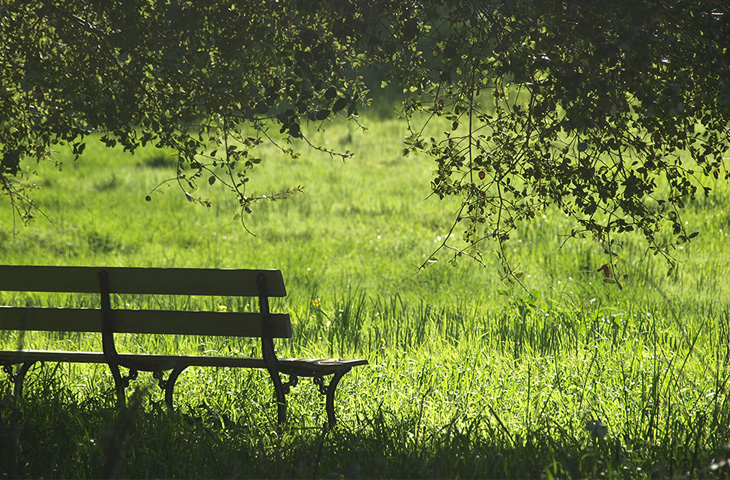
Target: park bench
(107, 320)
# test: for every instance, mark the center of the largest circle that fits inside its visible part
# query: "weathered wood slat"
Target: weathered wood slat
(161, 281)
(21, 356)
(162, 362)
(312, 367)
(172, 322)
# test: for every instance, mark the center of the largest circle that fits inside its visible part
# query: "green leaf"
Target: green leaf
(295, 130)
(339, 104)
(10, 162)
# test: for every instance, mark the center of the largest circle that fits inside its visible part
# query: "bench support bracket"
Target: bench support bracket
(293, 381)
(329, 392)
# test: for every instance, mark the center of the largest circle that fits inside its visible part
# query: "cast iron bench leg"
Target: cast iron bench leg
(18, 387)
(280, 401)
(330, 403)
(17, 378)
(169, 384)
(329, 392)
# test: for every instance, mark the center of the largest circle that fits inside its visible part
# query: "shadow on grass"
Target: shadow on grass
(51, 433)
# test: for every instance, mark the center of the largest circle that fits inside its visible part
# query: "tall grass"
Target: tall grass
(467, 377)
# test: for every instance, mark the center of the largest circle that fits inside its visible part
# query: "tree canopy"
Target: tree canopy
(615, 112)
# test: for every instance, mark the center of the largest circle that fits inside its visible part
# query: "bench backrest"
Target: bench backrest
(146, 281)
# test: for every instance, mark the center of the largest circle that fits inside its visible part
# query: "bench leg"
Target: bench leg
(280, 400)
(169, 384)
(280, 394)
(329, 392)
(17, 378)
(18, 387)
(121, 383)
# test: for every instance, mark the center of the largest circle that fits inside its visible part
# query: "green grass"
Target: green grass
(467, 377)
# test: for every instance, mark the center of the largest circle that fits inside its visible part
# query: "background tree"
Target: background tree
(613, 112)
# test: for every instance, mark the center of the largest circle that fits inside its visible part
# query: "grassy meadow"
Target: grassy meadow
(468, 377)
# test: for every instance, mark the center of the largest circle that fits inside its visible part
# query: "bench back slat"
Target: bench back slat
(160, 281)
(173, 322)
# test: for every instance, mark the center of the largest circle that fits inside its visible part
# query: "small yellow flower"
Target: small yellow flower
(315, 302)
(222, 308)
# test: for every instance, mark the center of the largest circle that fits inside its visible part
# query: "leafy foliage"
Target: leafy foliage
(206, 79)
(614, 112)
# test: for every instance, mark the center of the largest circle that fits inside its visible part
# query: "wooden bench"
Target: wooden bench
(108, 320)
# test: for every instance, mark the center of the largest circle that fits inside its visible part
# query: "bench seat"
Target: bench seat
(301, 367)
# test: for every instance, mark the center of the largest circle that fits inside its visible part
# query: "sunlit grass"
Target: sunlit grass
(467, 378)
